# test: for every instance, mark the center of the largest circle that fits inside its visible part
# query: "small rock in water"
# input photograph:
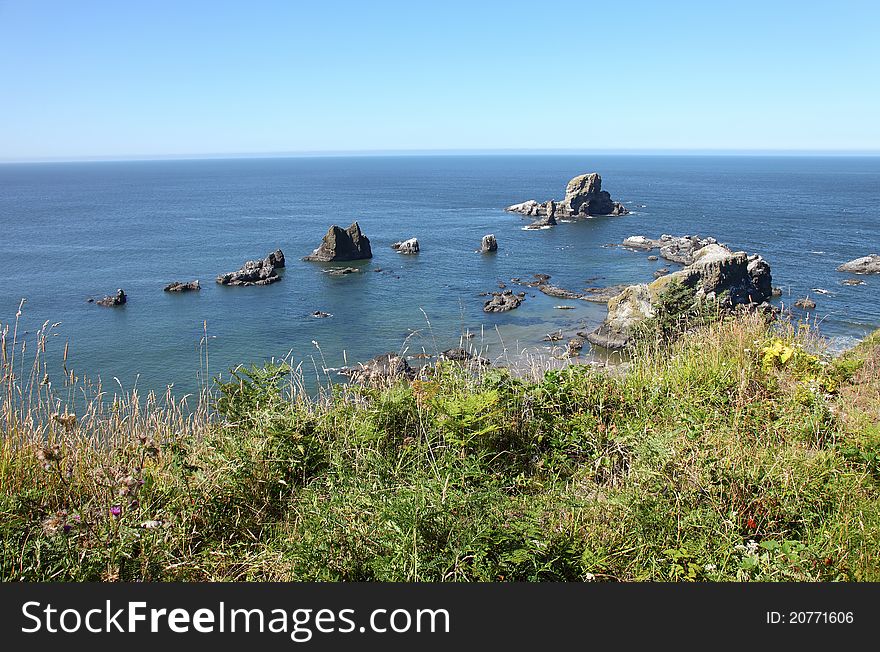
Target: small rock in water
(463, 355)
(114, 300)
(488, 244)
(553, 337)
(776, 292)
(503, 301)
(320, 314)
(853, 281)
(564, 307)
(342, 271)
(178, 286)
(806, 303)
(410, 246)
(653, 258)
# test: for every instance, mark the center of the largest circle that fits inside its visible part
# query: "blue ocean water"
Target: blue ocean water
(76, 230)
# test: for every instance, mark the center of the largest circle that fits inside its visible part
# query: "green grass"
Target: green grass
(737, 452)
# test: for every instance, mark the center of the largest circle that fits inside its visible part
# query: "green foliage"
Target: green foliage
(731, 453)
(676, 311)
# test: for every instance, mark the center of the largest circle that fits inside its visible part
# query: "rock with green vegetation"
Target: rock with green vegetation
(717, 275)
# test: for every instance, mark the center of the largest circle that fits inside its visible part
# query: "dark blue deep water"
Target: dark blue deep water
(70, 231)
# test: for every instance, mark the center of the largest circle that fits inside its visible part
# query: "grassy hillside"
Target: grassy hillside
(739, 452)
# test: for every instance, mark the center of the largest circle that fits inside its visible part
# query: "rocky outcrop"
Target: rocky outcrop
(545, 222)
(717, 273)
(488, 244)
(584, 197)
(559, 293)
(602, 295)
(382, 370)
(410, 246)
(178, 286)
(463, 355)
(256, 272)
(869, 264)
(503, 301)
(679, 249)
(342, 244)
(113, 300)
(343, 271)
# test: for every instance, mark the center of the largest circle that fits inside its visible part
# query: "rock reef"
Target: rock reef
(584, 197)
(504, 301)
(256, 272)
(342, 244)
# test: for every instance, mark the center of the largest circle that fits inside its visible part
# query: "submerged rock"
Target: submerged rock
(178, 286)
(256, 272)
(114, 300)
(342, 244)
(584, 197)
(342, 271)
(869, 264)
(410, 246)
(503, 301)
(488, 244)
(853, 281)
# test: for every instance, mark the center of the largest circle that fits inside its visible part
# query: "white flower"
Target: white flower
(710, 567)
(589, 577)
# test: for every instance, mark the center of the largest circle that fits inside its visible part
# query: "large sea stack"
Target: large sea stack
(342, 244)
(584, 197)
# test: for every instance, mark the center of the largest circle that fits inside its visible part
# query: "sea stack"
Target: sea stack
(342, 244)
(584, 197)
(488, 244)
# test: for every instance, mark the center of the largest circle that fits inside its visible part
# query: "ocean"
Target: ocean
(71, 231)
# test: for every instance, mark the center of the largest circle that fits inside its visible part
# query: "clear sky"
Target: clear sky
(122, 78)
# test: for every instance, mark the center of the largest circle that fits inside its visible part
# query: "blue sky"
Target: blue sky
(154, 78)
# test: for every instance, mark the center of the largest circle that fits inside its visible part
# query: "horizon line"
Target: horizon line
(446, 152)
